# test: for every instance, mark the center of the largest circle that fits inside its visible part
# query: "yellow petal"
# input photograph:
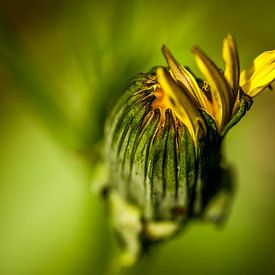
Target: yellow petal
(219, 88)
(232, 65)
(180, 103)
(259, 75)
(186, 80)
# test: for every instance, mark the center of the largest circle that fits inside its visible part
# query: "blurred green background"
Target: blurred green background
(63, 64)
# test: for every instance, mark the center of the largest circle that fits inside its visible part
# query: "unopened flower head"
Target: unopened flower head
(221, 92)
(163, 144)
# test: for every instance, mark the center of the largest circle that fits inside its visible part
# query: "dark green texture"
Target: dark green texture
(155, 165)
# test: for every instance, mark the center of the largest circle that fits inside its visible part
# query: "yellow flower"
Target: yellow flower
(219, 96)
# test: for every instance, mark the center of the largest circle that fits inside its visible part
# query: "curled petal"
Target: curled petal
(180, 103)
(186, 80)
(219, 88)
(259, 75)
(232, 65)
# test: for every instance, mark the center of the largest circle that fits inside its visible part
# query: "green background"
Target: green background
(63, 65)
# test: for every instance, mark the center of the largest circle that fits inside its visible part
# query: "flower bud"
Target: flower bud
(156, 166)
(163, 149)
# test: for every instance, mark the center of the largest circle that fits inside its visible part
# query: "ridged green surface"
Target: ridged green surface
(151, 164)
(155, 166)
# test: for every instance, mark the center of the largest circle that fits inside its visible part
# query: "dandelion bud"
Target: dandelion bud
(163, 148)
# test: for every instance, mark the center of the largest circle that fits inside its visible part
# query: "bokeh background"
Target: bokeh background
(63, 65)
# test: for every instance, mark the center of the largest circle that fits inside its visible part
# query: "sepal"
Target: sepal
(245, 102)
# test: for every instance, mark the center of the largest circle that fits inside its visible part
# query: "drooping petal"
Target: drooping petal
(180, 103)
(232, 65)
(219, 88)
(186, 80)
(259, 75)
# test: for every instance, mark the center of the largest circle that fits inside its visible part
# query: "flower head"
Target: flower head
(163, 144)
